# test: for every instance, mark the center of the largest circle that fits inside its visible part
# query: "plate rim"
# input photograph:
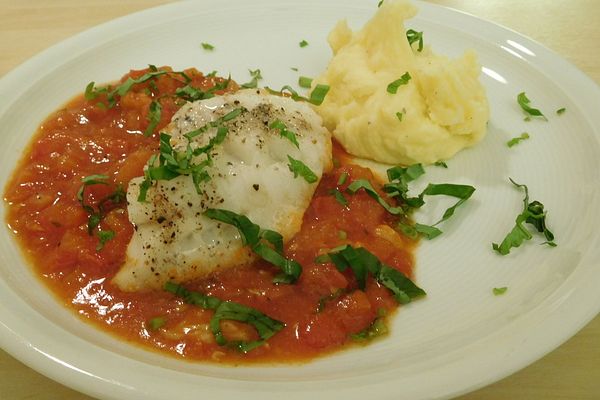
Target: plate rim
(48, 365)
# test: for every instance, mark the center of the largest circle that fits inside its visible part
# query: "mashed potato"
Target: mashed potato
(441, 110)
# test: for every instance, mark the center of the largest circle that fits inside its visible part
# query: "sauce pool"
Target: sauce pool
(321, 311)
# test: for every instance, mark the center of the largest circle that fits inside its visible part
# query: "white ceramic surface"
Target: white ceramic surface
(458, 338)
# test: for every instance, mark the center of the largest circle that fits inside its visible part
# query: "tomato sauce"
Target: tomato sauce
(321, 311)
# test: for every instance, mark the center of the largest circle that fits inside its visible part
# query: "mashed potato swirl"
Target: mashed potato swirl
(441, 110)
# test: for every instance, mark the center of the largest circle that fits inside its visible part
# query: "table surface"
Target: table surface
(569, 27)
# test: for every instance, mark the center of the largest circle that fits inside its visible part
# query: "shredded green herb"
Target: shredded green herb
(253, 84)
(397, 187)
(207, 46)
(403, 80)
(415, 230)
(104, 236)
(301, 169)
(399, 115)
(376, 329)
(440, 164)
(339, 197)
(561, 111)
(112, 94)
(265, 326)
(316, 97)
(284, 132)
(91, 92)
(304, 82)
(255, 237)
(461, 192)
(399, 178)
(156, 323)
(362, 262)
(524, 102)
(413, 36)
(533, 213)
(154, 115)
(303, 43)
(364, 184)
(190, 93)
(171, 163)
(323, 300)
(499, 291)
(97, 214)
(516, 140)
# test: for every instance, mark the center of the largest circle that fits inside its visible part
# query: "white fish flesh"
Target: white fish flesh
(249, 175)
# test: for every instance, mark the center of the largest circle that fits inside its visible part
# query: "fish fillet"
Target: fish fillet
(173, 240)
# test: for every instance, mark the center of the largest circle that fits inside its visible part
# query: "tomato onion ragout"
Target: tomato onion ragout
(102, 134)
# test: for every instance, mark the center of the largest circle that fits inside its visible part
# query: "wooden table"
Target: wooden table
(569, 27)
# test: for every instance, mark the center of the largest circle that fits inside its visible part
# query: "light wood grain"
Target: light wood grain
(570, 28)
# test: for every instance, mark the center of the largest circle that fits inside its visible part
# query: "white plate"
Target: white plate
(457, 339)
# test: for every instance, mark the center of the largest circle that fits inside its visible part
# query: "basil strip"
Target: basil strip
(87, 181)
(403, 80)
(249, 231)
(154, 115)
(265, 326)
(376, 329)
(122, 89)
(207, 46)
(416, 230)
(254, 237)
(461, 192)
(339, 197)
(414, 36)
(172, 163)
(190, 93)
(303, 43)
(304, 82)
(301, 169)
(283, 132)
(253, 84)
(156, 323)
(195, 298)
(358, 184)
(524, 103)
(427, 231)
(516, 140)
(398, 187)
(361, 262)
(533, 213)
(399, 178)
(92, 92)
(403, 288)
(104, 237)
(499, 291)
(291, 269)
(317, 96)
(97, 215)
